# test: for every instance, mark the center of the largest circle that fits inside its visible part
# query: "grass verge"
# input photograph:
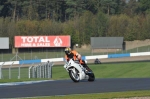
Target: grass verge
(119, 70)
(110, 95)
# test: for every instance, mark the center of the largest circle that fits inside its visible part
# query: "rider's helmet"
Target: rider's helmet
(67, 50)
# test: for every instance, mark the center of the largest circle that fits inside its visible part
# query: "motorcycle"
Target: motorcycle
(77, 72)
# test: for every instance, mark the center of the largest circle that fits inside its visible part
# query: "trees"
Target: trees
(75, 7)
(131, 8)
(101, 25)
(57, 10)
(81, 19)
(4, 8)
(1, 6)
(144, 6)
(108, 6)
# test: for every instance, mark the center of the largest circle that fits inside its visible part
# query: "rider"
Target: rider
(76, 56)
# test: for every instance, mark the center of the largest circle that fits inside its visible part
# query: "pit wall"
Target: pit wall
(83, 57)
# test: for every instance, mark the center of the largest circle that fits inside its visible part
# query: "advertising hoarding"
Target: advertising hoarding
(42, 41)
(107, 42)
(4, 42)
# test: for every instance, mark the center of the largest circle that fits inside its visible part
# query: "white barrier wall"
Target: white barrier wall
(53, 60)
(140, 54)
(9, 63)
(96, 56)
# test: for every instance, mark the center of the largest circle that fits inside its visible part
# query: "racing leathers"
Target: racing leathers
(76, 57)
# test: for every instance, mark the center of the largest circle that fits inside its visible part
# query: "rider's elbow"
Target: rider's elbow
(79, 56)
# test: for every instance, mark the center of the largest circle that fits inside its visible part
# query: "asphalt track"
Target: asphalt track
(67, 87)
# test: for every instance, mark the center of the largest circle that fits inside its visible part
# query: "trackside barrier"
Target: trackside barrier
(1, 70)
(43, 70)
(84, 57)
(118, 55)
(9, 63)
(96, 56)
(139, 54)
(30, 61)
(10, 70)
(19, 71)
(53, 60)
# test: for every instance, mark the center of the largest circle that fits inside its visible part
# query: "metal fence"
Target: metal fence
(46, 53)
(42, 70)
(30, 55)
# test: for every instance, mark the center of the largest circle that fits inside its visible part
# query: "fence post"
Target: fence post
(38, 71)
(10, 70)
(19, 71)
(49, 70)
(50, 65)
(29, 70)
(35, 71)
(1, 70)
(45, 70)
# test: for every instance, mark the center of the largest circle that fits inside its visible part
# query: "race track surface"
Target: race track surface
(67, 87)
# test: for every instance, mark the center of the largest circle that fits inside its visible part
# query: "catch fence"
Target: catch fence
(47, 53)
(24, 71)
(43, 70)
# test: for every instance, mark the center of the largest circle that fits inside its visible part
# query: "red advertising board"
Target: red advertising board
(42, 41)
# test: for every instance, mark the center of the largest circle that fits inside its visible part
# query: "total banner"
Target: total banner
(42, 41)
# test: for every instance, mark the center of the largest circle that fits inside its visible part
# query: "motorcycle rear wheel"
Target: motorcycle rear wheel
(91, 77)
(74, 76)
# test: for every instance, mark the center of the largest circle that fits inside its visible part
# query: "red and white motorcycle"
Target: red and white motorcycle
(77, 72)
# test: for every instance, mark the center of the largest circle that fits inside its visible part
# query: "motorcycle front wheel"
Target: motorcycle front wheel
(74, 75)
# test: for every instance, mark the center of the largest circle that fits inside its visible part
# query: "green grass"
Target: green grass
(14, 73)
(119, 70)
(109, 95)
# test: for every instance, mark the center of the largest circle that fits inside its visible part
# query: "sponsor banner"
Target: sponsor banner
(42, 41)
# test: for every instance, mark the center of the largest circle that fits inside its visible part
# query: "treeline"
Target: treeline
(81, 19)
(58, 10)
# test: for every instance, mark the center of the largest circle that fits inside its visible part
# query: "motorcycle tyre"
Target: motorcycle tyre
(91, 77)
(71, 76)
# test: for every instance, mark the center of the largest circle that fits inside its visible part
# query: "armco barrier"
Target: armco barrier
(53, 60)
(139, 54)
(84, 57)
(118, 55)
(29, 61)
(9, 63)
(96, 56)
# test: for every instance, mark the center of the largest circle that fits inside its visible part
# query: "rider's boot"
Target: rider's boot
(87, 69)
